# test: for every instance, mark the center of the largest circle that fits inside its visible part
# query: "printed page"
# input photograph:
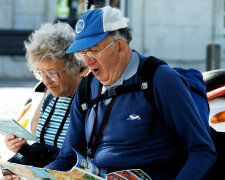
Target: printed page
(130, 174)
(33, 173)
(12, 127)
(87, 165)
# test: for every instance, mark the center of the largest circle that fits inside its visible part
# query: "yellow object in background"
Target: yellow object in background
(24, 123)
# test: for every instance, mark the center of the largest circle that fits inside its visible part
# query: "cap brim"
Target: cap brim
(85, 43)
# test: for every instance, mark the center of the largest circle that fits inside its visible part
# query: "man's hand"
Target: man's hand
(14, 144)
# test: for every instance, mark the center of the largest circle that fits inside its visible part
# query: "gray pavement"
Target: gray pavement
(13, 95)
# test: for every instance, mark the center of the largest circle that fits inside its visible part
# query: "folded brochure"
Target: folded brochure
(83, 170)
(13, 127)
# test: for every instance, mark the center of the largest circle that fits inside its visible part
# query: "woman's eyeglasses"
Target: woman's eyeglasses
(53, 75)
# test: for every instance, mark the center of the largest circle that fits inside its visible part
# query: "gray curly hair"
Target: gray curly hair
(51, 42)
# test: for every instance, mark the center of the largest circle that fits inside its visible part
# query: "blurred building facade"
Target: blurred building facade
(177, 31)
(22, 15)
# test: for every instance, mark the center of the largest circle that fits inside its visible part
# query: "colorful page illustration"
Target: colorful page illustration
(131, 174)
(83, 170)
(87, 165)
(33, 173)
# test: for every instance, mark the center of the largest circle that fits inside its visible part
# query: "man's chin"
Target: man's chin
(102, 81)
(105, 82)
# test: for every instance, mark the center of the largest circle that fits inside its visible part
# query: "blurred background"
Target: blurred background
(179, 31)
(183, 33)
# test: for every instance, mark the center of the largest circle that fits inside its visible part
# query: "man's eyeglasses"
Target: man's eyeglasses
(91, 54)
(53, 75)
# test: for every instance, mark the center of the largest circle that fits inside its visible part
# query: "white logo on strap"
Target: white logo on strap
(134, 117)
(80, 26)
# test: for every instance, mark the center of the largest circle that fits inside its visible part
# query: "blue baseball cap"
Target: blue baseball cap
(94, 25)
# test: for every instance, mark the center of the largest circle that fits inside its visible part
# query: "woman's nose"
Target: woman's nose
(46, 80)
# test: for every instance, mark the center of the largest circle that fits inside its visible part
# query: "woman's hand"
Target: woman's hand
(14, 144)
(8, 177)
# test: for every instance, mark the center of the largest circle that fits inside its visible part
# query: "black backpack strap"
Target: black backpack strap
(63, 122)
(47, 101)
(84, 91)
(113, 92)
(147, 72)
(47, 121)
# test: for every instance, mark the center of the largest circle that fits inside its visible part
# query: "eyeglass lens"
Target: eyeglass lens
(39, 75)
(91, 54)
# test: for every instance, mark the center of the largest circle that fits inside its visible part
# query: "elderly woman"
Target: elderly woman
(60, 72)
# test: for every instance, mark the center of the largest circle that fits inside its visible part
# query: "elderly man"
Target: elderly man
(179, 147)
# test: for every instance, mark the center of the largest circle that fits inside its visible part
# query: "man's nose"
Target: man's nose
(88, 61)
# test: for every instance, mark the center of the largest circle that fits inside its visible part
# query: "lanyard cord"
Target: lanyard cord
(95, 117)
(93, 144)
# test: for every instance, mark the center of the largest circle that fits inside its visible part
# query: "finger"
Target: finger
(13, 143)
(6, 177)
(10, 178)
(9, 137)
(16, 146)
(17, 178)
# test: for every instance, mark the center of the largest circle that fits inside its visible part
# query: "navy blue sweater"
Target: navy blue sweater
(179, 132)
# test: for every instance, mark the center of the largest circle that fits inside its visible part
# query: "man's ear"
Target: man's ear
(121, 47)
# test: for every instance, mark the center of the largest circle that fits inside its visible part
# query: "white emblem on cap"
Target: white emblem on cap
(80, 26)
